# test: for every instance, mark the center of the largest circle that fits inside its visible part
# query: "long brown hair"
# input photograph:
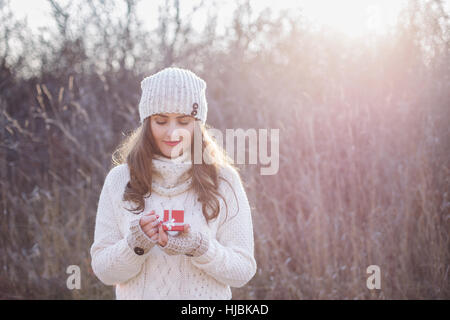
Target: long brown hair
(137, 151)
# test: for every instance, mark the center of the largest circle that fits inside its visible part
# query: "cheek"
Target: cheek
(157, 132)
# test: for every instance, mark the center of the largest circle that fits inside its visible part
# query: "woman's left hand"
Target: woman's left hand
(190, 243)
(163, 236)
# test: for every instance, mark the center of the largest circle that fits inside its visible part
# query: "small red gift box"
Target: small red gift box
(173, 220)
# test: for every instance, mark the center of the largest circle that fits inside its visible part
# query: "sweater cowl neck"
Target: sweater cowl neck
(171, 176)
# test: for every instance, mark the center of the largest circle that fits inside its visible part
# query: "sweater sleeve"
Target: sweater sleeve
(113, 260)
(230, 256)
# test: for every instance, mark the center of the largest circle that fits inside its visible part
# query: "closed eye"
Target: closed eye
(164, 122)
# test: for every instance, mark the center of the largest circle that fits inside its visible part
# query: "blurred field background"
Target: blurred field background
(364, 173)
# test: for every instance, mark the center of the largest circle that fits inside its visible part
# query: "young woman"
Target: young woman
(157, 169)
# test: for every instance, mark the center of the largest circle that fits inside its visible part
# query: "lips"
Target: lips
(172, 143)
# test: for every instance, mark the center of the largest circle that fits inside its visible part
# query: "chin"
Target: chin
(171, 153)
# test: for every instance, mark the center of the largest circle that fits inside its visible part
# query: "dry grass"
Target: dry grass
(353, 190)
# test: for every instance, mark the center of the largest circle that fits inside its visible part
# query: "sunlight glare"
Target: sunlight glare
(354, 18)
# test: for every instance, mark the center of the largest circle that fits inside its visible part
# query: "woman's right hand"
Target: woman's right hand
(149, 224)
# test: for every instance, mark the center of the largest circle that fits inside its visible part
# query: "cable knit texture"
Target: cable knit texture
(137, 237)
(226, 260)
(193, 244)
(172, 177)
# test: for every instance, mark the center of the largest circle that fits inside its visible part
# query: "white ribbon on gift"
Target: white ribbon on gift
(171, 222)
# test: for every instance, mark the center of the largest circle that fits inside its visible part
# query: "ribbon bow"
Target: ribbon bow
(170, 223)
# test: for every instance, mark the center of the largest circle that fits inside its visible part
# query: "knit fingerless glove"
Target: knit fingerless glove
(192, 244)
(137, 240)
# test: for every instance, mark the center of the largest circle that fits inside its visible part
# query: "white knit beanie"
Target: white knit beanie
(173, 90)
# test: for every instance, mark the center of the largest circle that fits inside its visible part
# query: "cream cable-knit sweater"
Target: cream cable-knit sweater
(229, 260)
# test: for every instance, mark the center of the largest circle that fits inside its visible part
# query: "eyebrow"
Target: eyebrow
(164, 116)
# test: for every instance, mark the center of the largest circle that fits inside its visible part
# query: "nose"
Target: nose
(173, 132)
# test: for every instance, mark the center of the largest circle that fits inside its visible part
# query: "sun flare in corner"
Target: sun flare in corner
(354, 18)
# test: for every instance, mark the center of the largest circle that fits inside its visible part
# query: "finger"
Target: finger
(151, 214)
(153, 224)
(161, 232)
(187, 228)
(156, 222)
(148, 219)
(162, 236)
(150, 231)
(155, 237)
(150, 225)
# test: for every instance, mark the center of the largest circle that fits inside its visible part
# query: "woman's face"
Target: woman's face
(172, 132)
